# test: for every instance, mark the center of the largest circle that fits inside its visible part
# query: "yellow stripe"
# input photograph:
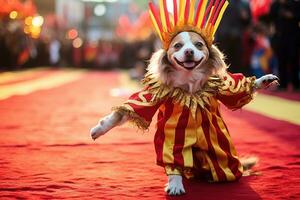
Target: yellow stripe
(192, 12)
(169, 129)
(212, 168)
(189, 140)
(208, 26)
(155, 25)
(209, 16)
(28, 87)
(201, 15)
(182, 4)
(220, 17)
(221, 155)
(162, 15)
(276, 108)
(18, 75)
(201, 141)
(233, 152)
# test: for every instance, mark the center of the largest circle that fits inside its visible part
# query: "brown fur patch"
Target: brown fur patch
(164, 70)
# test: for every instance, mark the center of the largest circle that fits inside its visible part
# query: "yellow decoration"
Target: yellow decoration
(205, 21)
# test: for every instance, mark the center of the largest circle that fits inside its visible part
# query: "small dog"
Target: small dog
(188, 64)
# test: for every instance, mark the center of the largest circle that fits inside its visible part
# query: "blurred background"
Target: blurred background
(258, 36)
(65, 63)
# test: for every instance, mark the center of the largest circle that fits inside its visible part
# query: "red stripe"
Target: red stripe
(198, 11)
(179, 136)
(233, 163)
(187, 10)
(159, 137)
(206, 13)
(214, 10)
(175, 11)
(167, 16)
(218, 12)
(211, 152)
(146, 112)
(155, 12)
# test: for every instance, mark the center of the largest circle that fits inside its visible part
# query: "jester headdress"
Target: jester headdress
(204, 19)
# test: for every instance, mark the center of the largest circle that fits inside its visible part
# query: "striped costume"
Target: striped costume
(191, 136)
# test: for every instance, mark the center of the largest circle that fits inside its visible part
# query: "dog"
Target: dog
(187, 64)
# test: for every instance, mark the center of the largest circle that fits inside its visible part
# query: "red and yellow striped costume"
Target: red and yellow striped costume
(191, 136)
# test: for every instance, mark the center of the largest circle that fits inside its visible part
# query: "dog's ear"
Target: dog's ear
(217, 60)
(159, 64)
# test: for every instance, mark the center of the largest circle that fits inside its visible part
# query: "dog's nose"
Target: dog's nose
(189, 52)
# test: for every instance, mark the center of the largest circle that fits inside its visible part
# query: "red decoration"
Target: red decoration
(259, 8)
(23, 8)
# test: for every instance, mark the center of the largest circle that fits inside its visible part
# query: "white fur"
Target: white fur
(179, 78)
(188, 44)
(266, 81)
(107, 123)
(174, 185)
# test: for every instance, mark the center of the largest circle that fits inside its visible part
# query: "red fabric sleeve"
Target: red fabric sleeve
(140, 108)
(237, 90)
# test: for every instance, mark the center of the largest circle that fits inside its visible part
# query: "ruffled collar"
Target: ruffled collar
(192, 100)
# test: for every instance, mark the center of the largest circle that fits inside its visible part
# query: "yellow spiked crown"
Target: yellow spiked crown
(204, 20)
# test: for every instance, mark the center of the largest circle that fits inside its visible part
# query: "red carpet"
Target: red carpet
(46, 151)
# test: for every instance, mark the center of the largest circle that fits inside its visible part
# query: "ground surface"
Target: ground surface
(46, 151)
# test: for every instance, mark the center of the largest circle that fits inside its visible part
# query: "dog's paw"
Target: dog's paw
(106, 124)
(267, 81)
(174, 186)
(97, 131)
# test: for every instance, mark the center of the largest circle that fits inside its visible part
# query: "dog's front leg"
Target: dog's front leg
(175, 185)
(107, 123)
(266, 81)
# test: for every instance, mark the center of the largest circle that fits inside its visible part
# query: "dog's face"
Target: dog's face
(187, 51)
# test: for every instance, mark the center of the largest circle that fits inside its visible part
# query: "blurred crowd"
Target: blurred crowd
(268, 43)
(18, 51)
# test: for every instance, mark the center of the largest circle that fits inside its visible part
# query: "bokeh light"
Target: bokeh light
(13, 14)
(100, 10)
(37, 21)
(72, 34)
(28, 20)
(77, 43)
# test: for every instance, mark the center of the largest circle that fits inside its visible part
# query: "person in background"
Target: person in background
(229, 39)
(285, 15)
(262, 58)
(54, 51)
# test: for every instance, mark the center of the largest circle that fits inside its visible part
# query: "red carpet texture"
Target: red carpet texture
(46, 151)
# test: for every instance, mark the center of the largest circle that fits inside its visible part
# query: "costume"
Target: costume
(191, 137)
(191, 133)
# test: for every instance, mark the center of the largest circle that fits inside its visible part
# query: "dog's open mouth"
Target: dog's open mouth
(189, 64)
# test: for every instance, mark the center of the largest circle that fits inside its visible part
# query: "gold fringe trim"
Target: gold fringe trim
(230, 87)
(140, 122)
(249, 89)
(180, 96)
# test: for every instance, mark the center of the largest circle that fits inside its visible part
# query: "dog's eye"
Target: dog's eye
(199, 44)
(178, 45)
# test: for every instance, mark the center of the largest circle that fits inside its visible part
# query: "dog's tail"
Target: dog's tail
(248, 163)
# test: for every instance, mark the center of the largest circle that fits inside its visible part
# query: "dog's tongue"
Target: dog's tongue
(189, 64)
